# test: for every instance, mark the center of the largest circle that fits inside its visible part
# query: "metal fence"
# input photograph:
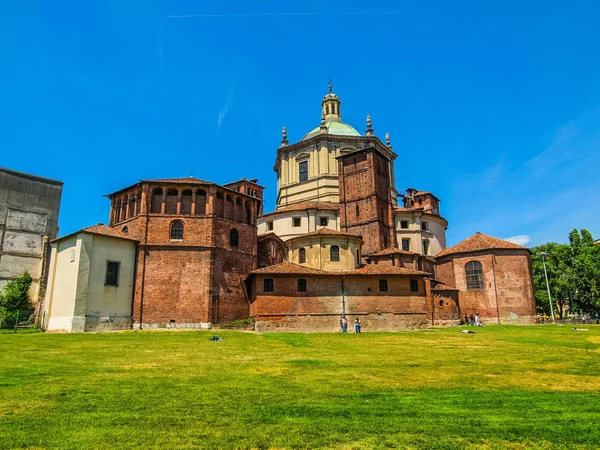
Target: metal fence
(15, 320)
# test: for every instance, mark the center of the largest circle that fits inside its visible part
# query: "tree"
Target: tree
(573, 274)
(15, 298)
(560, 276)
(586, 238)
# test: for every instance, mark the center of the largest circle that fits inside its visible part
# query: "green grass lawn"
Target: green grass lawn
(504, 387)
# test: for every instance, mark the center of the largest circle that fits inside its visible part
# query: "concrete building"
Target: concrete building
(91, 279)
(29, 208)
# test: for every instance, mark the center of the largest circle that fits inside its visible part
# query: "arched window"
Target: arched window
(474, 274)
(234, 238)
(219, 204)
(302, 255)
(248, 216)
(125, 230)
(131, 208)
(186, 202)
(239, 212)
(200, 201)
(171, 201)
(327, 109)
(229, 207)
(156, 203)
(177, 229)
(334, 253)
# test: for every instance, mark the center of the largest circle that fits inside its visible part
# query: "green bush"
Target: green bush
(15, 302)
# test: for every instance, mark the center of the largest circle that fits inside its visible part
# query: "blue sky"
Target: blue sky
(495, 107)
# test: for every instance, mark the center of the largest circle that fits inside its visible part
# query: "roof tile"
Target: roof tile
(368, 269)
(108, 231)
(478, 242)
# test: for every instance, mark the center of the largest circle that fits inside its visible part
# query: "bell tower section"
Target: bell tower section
(366, 201)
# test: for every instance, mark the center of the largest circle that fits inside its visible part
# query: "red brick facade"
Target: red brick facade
(366, 207)
(507, 293)
(197, 245)
(271, 250)
(395, 305)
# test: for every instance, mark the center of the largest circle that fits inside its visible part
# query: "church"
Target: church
(342, 241)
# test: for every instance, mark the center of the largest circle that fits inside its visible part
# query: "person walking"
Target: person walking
(477, 319)
(357, 326)
(472, 320)
(466, 319)
(341, 323)
(344, 325)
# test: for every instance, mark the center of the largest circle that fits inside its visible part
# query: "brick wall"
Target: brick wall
(271, 250)
(198, 279)
(320, 307)
(445, 307)
(365, 195)
(508, 287)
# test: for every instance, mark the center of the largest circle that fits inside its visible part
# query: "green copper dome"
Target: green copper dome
(335, 127)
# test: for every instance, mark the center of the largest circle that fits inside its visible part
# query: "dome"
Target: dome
(335, 127)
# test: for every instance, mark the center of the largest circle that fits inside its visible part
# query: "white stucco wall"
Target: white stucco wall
(309, 221)
(435, 234)
(108, 306)
(77, 299)
(59, 303)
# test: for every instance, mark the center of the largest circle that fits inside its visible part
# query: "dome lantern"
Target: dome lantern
(330, 105)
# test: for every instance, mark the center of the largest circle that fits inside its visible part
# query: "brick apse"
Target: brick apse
(197, 244)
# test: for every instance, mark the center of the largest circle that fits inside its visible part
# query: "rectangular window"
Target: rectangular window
(323, 221)
(414, 285)
(383, 287)
(296, 221)
(301, 285)
(425, 247)
(268, 285)
(270, 225)
(424, 226)
(112, 273)
(406, 244)
(303, 167)
(404, 224)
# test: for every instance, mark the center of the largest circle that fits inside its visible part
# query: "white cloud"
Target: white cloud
(226, 107)
(522, 239)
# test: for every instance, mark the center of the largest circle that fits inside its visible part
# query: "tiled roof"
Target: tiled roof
(269, 235)
(400, 208)
(478, 242)
(443, 287)
(102, 230)
(287, 267)
(187, 180)
(376, 269)
(108, 231)
(329, 232)
(368, 269)
(393, 251)
(302, 206)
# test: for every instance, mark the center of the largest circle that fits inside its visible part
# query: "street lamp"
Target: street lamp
(542, 254)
